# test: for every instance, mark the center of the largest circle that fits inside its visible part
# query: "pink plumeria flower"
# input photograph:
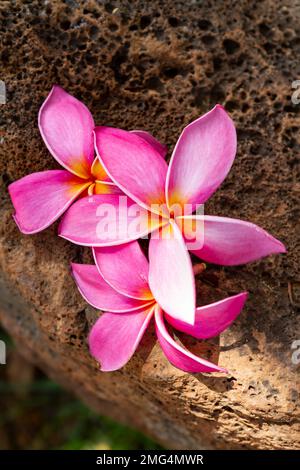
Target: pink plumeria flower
(119, 286)
(66, 126)
(200, 161)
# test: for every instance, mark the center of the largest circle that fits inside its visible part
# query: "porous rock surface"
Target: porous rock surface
(158, 65)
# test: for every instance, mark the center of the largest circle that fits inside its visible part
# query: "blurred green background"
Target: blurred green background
(36, 413)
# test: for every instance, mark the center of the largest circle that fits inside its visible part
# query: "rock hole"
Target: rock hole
(173, 21)
(204, 24)
(230, 46)
(145, 22)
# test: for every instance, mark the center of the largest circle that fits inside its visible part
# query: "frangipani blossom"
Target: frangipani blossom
(66, 126)
(200, 161)
(119, 286)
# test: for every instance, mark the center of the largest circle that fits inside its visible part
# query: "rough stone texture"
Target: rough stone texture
(158, 65)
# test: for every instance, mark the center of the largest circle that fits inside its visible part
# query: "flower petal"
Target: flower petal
(125, 268)
(212, 319)
(133, 165)
(98, 293)
(66, 126)
(232, 241)
(176, 354)
(98, 171)
(106, 220)
(40, 198)
(114, 338)
(102, 187)
(171, 277)
(201, 159)
(105, 187)
(160, 148)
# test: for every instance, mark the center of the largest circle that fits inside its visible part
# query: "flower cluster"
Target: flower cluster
(115, 188)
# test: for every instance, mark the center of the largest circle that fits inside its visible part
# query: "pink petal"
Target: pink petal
(98, 171)
(133, 165)
(212, 319)
(114, 338)
(66, 126)
(232, 241)
(125, 268)
(176, 354)
(105, 187)
(40, 198)
(160, 148)
(201, 159)
(105, 220)
(98, 293)
(171, 277)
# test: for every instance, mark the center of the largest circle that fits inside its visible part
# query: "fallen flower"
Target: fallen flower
(66, 126)
(119, 286)
(201, 160)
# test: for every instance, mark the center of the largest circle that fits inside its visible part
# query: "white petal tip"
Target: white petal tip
(189, 317)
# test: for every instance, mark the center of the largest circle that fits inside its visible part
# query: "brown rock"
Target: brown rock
(158, 65)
